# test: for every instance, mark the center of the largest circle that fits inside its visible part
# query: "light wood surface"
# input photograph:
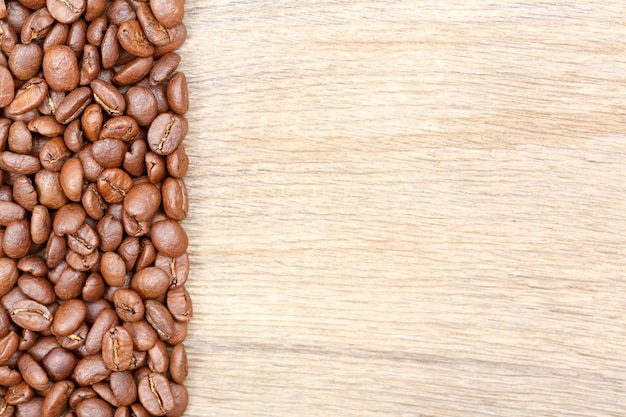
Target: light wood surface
(407, 208)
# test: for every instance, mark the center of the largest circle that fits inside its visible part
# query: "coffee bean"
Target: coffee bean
(143, 335)
(94, 407)
(94, 9)
(36, 25)
(179, 304)
(8, 346)
(181, 400)
(56, 400)
(89, 370)
(110, 48)
(128, 305)
(132, 39)
(168, 12)
(10, 212)
(174, 197)
(113, 184)
(68, 317)
(71, 179)
(167, 132)
(160, 319)
(34, 265)
(56, 36)
(59, 363)
(155, 394)
(177, 95)
(46, 126)
(19, 163)
(109, 153)
(24, 192)
(123, 387)
(73, 105)
(91, 122)
(25, 60)
(108, 97)
(60, 67)
(16, 239)
(158, 357)
(96, 29)
(31, 315)
(110, 232)
(122, 127)
(53, 154)
(178, 35)
(117, 349)
(68, 219)
(33, 373)
(164, 67)
(7, 87)
(29, 96)
(37, 288)
(19, 394)
(77, 37)
(150, 282)
(141, 105)
(169, 238)
(155, 167)
(48, 186)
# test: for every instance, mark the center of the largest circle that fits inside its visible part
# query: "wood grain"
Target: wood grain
(407, 208)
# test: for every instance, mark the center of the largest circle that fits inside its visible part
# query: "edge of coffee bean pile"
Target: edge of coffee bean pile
(93, 260)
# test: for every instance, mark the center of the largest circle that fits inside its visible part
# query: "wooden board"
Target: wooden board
(407, 208)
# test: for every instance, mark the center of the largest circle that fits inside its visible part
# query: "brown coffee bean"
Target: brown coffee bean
(37, 288)
(25, 60)
(73, 136)
(134, 71)
(93, 202)
(150, 282)
(89, 370)
(169, 238)
(142, 333)
(94, 287)
(16, 239)
(154, 31)
(24, 192)
(71, 179)
(11, 297)
(8, 346)
(105, 321)
(19, 138)
(117, 349)
(167, 132)
(33, 373)
(9, 376)
(28, 97)
(110, 48)
(43, 346)
(68, 219)
(174, 196)
(81, 262)
(66, 11)
(109, 153)
(134, 160)
(113, 269)
(155, 167)
(122, 127)
(178, 35)
(31, 315)
(113, 185)
(159, 93)
(94, 407)
(54, 154)
(128, 305)
(59, 363)
(168, 12)
(131, 37)
(56, 400)
(146, 256)
(179, 304)
(49, 105)
(160, 319)
(177, 95)
(94, 8)
(155, 394)
(69, 284)
(90, 65)
(142, 202)
(27, 339)
(84, 241)
(158, 357)
(56, 249)
(36, 25)
(91, 122)
(46, 126)
(181, 400)
(7, 87)
(111, 233)
(119, 12)
(10, 212)
(164, 67)
(33, 264)
(138, 410)
(91, 169)
(123, 387)
(177, 268)
(60, 68)
(81, 394)
(178, 364)
(18, 163)
(56, 36)
(68, 317)
(96, 29)
(141, 105)
(19, 394)
(49, 189)
(107, 96)
(73, 104)
(77, 37)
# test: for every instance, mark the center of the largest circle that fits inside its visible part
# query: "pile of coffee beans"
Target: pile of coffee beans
(93, 260)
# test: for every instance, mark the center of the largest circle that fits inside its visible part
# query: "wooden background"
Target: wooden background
(407, 208)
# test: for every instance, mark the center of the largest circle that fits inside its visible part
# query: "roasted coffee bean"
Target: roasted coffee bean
(141, 105)
(68, 317)
(103, 389)
(9, 376)
(111, 233)
(25, 60)
(178, 35)
(128, 305)
(158, 357)
(48, 186)
(68, 219)
(123, 387)
(89, 370)
(71, 179)
(155, 394)
(174, 197)
(119, 12)
(94, 9)
(73, 105)
(132, 38)
(105, 321)
(168, 12)
(178, 364)
(10, 212)
(110, 48)
(164, 67)
(28, 97)
(36, 25)
(19, 394)
(91, 169)
(19, 164)
(134, 71)
(8, 346)
(167, 132)
(91, 122)
(108, 97)
(142, 333)
(7, 86)
(37, 288)
(46, 126)
(177, 95)
(90, 65)
(53, 154)
(56, 36)
(73, 136)
(59, 363)
(34, 265)
(33, 373)
(122, 127)
(96, 29)
(117, 349)
(57, 399)
(31, 315)
(177, 268)
(109, 153)
(77, 37)
(113, 269)
(150, 282)
(169, 238)
(94, 407)
(113, 184)
(181, 400)
(20, 139)
(93, 203)
(160, 319)
(24, 192)
(155, 167)
(179, 304)
(16, 239)
(60, 67)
